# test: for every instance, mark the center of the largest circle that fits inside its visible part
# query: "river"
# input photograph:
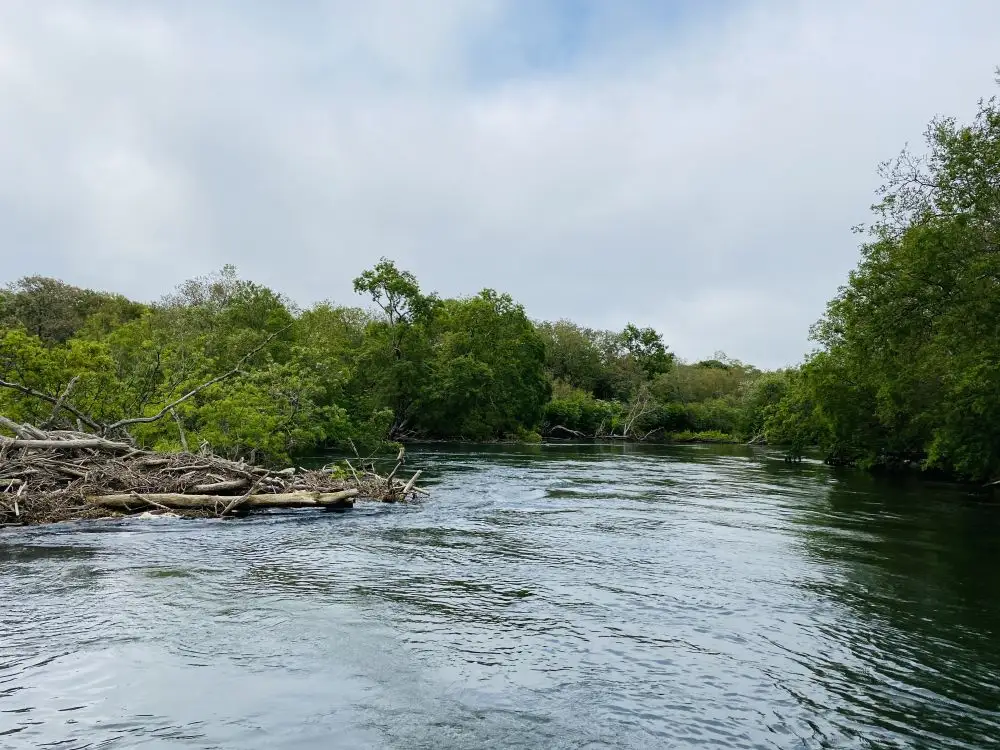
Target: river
(570, 596)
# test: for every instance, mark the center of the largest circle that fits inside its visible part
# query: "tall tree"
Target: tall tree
(911, 362)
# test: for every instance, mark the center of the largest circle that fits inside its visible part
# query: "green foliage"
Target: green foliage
(54, 311)
(572, 355)
(329, 376)
(908, 371)
(27, 360)
(486, 378)
(645, 347)
(706, 436)
(579, 411)
(759, 399)
(714, 414)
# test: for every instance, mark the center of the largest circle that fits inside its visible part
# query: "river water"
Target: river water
(544, 597)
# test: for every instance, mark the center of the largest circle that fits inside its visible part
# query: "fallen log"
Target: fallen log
(67, 445)
(134, 500)
(223, 486)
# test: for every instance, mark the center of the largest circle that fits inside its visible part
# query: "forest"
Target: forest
(905, 370)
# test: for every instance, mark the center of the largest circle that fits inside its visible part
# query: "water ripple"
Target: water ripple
(546, 596)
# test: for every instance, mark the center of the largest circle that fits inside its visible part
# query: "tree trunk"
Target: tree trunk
(135, 500)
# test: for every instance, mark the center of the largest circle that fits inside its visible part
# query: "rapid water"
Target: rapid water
(542, 597)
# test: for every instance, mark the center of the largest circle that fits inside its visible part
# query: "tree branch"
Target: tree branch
(89, 421)
(14, 427)
(60, 401)
(166, 409)
(180, 429)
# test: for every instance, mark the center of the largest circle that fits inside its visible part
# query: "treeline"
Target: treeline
(907, 370)
(414, 366)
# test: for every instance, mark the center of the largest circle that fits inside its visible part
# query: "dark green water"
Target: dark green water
(544, 597)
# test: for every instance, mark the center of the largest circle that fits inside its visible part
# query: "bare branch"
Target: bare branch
(226, 375)
(14, 427)
(89, 421)
(59, 403)
(67, 445)
(180, 430)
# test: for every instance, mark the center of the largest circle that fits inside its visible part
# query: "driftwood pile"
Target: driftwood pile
(62, 475)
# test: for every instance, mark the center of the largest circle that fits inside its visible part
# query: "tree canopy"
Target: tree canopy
(909, 365)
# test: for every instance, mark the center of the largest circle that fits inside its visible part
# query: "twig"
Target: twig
(137, 496)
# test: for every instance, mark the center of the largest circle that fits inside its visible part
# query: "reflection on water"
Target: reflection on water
(546, 596)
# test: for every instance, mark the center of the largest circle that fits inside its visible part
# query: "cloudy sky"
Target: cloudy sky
(694, 166)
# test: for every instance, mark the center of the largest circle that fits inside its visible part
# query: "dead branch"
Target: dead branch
(223, 486)
(409, 485)
(66, 445)
(59, 402)
(17, 429)
(180, 430)
(89, 421)
(177, 402)
(70, 475)
(567, 430)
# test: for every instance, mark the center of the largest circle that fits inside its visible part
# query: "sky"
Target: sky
(692, 166)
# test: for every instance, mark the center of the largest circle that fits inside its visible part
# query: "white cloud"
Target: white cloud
(700, 178)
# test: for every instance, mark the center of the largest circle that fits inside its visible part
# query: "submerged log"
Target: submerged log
(134, 500)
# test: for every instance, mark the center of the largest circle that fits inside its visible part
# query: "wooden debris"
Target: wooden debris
(64, 474)
(302, 499)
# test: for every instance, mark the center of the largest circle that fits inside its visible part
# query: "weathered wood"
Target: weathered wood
(67, 445)
(223, 486)
(180, 430)
(134, 500)
(51, 421)
(409, 485)
(17, 429)
(567, 430)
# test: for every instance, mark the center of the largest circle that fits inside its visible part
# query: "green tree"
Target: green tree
(487, 378)
(397, 349)
(55, 311)
(909, 369)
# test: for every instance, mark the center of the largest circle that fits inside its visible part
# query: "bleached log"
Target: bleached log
(132, 501)
(224, 486)
(411, 484)
(67, 445)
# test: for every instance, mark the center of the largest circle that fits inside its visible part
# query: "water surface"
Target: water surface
(544, 597)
